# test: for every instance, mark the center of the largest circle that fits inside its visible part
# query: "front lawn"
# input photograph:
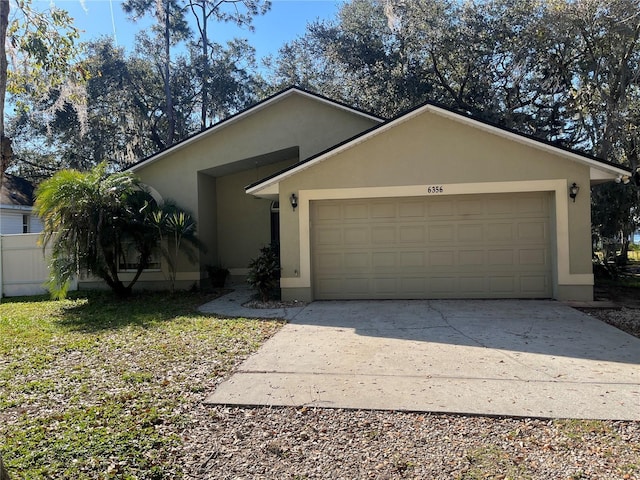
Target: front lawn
(92, 387)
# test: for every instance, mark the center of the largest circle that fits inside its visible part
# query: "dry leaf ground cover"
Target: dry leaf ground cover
(95, 388)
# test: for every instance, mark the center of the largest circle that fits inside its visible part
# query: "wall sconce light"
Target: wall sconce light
(573, 191)
(294, 201)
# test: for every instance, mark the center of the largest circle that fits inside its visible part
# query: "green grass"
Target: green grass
(95, 387)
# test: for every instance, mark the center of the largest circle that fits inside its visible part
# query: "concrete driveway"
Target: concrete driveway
(504, 357)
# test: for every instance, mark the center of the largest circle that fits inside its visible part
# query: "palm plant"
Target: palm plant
(88, 217)
(177, 232)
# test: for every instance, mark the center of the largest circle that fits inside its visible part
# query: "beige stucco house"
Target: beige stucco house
(431, 204)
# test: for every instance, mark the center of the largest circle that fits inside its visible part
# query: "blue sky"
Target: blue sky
(285, 21)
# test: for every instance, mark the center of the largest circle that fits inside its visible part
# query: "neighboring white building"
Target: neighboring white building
(16, 206)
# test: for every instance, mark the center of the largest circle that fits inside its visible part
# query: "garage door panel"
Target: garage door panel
(473, 285)
(385, 235)
(469, 258)
(536, 256)
(500, 207)
(412, 234)
(503, 285)
(385, 286)
(356, 211)
(441, 233)
(357, 286)
(531, 205)
(331, 287)
(500, 232)
(328, 236)
(536, 285)
(500, 257)
(328, 212)
(439, 258)
(468, 246)
(414, 287)
(356, 261)
(412, 260)
(470, 233)
(440, 208)
(384, 261)
(412, 210)
(532, 231)
(469, 208)
(382, 210)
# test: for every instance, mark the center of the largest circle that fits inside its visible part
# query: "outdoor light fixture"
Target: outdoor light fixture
(573, 191)
(294, 201)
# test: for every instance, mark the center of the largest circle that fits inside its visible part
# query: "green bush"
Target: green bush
(264, 273)
(218, 275)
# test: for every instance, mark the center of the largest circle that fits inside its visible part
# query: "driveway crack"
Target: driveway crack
(479, 343)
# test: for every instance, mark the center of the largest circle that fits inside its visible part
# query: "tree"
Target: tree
(44, 51)
(170, 29)
(595, 46)
(358, 58)
(239, 12)
(231, 83)
(91, 219)
(118, 125)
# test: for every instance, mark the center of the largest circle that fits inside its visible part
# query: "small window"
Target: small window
(129, 259)
(25, 223)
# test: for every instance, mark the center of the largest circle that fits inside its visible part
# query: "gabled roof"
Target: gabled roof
(245, 113)
(600, 169)
(16, 191)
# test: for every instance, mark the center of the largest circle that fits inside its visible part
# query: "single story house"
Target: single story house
(430, 204)
(16, 206)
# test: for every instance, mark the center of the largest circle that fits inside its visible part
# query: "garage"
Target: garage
(437, 204)
(450, 246)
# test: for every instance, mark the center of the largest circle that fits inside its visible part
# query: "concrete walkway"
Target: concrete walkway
(503, 357)
(231, 306)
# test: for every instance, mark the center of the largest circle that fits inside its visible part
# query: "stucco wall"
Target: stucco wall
(231, 224)
(433, 150)
(243, 221)
(295, 121)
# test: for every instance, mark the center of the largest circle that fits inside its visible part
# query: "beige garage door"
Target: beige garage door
(466, 246)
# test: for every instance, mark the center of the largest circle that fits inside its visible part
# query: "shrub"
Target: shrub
(264, 272)
(218, 275)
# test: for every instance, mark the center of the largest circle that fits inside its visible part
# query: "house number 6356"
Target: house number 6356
(435, 189)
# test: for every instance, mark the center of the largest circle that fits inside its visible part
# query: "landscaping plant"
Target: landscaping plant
(264, 272)
(90, 218)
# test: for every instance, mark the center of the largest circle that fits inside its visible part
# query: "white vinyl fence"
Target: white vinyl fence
(23, 265)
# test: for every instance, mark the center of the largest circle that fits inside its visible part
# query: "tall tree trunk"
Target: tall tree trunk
(205, 72)
(5, 143)
(171, 127)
